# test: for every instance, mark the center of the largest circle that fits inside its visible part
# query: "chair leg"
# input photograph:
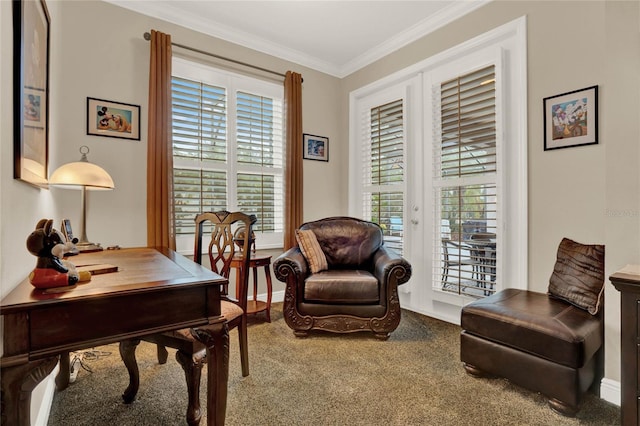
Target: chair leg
(192, 366)
(162, 354)
(243, 343)
(62, 379)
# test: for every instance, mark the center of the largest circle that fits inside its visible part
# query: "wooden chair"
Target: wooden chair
(190, 352)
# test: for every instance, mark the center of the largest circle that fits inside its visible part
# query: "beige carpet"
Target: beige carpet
(414, 378)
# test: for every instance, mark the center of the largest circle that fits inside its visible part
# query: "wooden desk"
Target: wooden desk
(154, 290)
(629, 285)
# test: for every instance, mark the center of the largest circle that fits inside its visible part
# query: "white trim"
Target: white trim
(610, 391)
(509, 43)
(173, 13)
(42, 397)
(516, 29)
(427, 26)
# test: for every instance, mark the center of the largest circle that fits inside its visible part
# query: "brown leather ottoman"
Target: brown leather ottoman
(540, 343)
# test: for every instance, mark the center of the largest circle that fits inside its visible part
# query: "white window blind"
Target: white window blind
(260, 157)
(228, 148)
(384, 170)
(465, 184)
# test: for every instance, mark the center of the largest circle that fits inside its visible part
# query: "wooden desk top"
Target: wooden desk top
(154, 290)
(139, 269)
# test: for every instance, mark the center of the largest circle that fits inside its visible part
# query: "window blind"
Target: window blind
(227, 148)
(384, 170)
(260, 154)
(199, 124)
(465, 184)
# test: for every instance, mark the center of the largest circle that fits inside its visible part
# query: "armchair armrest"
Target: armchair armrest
(388, 262)
(291, 262)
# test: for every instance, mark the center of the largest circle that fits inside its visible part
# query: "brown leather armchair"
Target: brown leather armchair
(358, 291)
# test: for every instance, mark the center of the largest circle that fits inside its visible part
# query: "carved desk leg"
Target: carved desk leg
(216, 338)
(17, 383)
(128, 355)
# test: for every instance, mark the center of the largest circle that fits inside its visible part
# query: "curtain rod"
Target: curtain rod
(147, 36)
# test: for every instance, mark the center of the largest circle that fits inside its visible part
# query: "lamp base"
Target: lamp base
(87, 247)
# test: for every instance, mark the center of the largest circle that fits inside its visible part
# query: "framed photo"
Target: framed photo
(31, 92)
(315, 147)
(113, 119)
(571, 119)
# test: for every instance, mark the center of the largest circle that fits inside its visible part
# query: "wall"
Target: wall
(114, 66)
(97, 50)
(590, 194)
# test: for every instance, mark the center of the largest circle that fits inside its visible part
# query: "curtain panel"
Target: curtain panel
(293, 161)
(160, 228)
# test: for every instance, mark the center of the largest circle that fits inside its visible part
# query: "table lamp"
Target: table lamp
(85, 176)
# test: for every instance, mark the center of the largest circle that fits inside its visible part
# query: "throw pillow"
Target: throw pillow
(578, 275)
(311, 250)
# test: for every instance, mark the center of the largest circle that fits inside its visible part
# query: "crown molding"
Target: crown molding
(168, 12)
(438, 20)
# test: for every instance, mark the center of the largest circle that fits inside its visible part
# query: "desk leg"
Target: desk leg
(128, 355)
(216, 338)
(17, 383)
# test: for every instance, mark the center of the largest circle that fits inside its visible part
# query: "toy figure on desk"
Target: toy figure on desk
(51, 270)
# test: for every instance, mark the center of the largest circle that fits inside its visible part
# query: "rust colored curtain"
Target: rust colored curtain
(293, 161)
(160, 228)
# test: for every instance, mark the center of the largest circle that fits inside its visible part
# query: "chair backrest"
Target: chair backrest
(347, 242)
(222, 247)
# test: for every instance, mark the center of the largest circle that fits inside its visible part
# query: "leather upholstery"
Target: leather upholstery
(342, 287)
(358, 291)
(537, 324)
(347, 243)
(536, 341)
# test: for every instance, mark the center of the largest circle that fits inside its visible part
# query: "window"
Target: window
(383, 170)
(465, 184)
(464, 168)
(227, 135)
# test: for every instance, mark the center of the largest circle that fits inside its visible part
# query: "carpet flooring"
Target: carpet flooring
(414, 378)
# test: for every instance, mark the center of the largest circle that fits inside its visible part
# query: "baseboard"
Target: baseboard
(276, 296)
(610, 391)
(42, 399)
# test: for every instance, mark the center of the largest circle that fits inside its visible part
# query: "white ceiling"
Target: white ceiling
(335, 37)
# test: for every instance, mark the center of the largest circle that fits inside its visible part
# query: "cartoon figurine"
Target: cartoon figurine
(51, 271)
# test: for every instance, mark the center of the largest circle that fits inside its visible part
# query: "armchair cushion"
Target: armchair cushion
(578, 275)
(311, 250)
(342, 287)
(536, 324)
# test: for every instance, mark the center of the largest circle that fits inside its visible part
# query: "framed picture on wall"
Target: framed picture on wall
(571, 119)
(31, 92)
(113, 119)
(315, 147)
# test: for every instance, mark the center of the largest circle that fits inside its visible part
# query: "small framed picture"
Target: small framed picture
(571, 119)
(113, 119)
(315, 147)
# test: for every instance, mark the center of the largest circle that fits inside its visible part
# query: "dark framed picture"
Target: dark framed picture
(571, 119)
(315, 147)
(113, 119)
(31, 92)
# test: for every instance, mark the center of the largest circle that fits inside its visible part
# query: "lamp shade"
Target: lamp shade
(81, 174)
